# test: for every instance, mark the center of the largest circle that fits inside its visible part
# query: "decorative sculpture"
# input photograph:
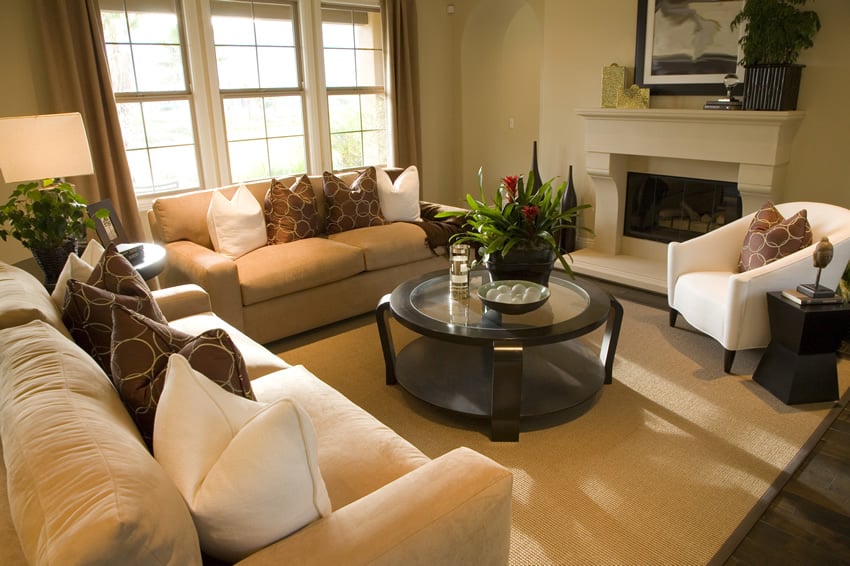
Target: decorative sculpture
(820, 259)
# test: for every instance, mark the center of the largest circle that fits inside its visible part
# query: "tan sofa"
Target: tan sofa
(82, 487)
(281, 290)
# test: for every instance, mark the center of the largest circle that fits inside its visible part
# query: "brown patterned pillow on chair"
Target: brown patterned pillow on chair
(352, 207)
(141, 347)
(291, 211)
(771, 237)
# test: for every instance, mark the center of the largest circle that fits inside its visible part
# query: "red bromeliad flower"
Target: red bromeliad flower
(530, 212)
(510, 183)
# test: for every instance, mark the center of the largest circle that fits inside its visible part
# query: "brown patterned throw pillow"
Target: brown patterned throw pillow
(352, 207)
(141, 347)
(114, 273)
(291, 211)
(771, 237)
(88, 315)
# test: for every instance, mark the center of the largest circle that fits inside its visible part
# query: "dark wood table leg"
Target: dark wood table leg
(507, 392)
(382, 316)
(612, 335)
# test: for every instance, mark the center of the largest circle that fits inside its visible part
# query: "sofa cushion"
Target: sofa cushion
(23, 299)
(237, 225)
(291, 211)
(140, 351)
(389, 245)
(352, 206)
(82, 487)
(771, 237)
(248, 471)
(399, 198)
(300, 265)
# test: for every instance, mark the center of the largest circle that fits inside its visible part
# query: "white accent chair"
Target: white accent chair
(704, 285)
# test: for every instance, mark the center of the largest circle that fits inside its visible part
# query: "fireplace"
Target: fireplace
(745, 148)
(667, 208)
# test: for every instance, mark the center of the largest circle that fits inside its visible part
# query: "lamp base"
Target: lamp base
(815, 291)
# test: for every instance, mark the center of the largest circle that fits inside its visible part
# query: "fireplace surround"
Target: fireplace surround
(749, 148)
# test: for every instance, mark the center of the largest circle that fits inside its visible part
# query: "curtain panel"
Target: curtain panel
(76, 65)
(403, 75)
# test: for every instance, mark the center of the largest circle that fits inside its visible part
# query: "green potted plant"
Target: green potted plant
(517, 235)
(49, 219)
(774, 34)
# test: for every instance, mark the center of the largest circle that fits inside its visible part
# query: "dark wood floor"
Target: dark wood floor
(809, 521)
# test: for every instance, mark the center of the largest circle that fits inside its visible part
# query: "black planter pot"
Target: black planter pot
(533, 264)
(772, 87)
(52, 260)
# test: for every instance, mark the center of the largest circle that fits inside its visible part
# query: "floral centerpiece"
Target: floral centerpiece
(521, 225)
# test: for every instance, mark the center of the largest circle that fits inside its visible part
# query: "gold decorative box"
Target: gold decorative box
(613, 80)
(633, 97)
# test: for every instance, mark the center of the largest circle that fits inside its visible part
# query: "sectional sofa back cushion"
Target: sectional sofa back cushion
(83, 489)
(23, 298)
(184, 216)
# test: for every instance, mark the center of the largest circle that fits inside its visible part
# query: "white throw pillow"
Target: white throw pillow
(236, 226)
(76, 267)
(399, 199)
(247, 470)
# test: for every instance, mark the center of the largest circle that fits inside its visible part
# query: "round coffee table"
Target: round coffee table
(477, 361)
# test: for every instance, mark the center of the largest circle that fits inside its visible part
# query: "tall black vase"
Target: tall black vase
(538, 182)
(567, 236)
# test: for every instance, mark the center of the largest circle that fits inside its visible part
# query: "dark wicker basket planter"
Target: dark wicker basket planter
(52, 260)
(772, 87)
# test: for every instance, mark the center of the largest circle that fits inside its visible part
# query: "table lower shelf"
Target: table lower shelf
(459, 377)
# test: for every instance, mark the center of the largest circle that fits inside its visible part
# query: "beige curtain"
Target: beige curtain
(76, 66)
(400, 28)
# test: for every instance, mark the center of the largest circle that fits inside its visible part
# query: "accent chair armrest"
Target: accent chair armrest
(454, 510)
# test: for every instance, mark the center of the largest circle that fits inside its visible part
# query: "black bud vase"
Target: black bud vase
(538, 182)
(568, 235)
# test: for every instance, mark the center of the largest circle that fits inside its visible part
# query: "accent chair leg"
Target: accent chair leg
(728, 357)
(673, 314)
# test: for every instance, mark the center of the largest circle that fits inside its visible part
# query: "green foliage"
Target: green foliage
(42, 216)
(518, 218)
(775, 31)
(844, 284)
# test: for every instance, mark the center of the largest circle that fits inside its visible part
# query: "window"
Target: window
(354, 78)
(240, 99)
(145, 53)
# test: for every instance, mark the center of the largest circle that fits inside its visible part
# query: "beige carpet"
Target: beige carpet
(663, 469)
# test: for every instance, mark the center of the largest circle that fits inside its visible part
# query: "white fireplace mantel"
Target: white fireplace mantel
(749, 148)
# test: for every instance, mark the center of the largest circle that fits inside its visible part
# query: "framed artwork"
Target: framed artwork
(687, 46)
(107, 225)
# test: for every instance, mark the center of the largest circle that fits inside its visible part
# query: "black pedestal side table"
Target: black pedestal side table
(799, 365)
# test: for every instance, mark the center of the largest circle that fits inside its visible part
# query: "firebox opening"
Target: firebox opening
(667, 209)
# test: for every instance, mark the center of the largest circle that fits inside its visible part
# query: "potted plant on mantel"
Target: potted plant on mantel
(49, 219)
(774, 33)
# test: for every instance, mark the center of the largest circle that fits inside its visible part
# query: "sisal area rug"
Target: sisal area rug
(671, 465)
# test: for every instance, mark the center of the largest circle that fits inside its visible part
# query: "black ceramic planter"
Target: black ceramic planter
(772, 87)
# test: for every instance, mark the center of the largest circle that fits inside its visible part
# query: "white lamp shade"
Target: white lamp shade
(44, 147)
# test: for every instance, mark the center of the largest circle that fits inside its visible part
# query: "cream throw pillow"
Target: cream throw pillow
(399, 200)
(248, 471)
(236, 226)
(76, 267)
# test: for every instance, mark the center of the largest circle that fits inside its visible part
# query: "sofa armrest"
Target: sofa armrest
(182, 301)
(455, 509)
(189, 262)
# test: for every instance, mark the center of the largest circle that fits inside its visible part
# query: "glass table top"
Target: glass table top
(432, 298)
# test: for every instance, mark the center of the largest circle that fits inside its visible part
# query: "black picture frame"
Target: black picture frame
(109, 228)
(679, 74)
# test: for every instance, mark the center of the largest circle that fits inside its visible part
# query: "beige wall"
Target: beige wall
(578, 39)
(23, 89)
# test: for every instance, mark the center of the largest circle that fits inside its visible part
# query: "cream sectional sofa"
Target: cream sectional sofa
(82, 487)
(280, 290)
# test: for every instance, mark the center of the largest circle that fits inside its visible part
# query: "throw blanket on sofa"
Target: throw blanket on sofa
(438, 230)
